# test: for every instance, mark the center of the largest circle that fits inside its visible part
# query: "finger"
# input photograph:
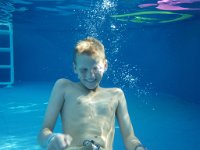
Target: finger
(61, 143)
(68, 139)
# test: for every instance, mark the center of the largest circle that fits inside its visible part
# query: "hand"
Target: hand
(140, 148)
(59, 142)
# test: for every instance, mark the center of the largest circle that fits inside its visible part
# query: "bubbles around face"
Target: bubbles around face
(97, 22)
(96, 18)
(108, 4)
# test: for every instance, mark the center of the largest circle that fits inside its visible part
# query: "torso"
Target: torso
(89, 115)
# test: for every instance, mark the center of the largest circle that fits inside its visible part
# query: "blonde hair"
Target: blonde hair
(91, 47)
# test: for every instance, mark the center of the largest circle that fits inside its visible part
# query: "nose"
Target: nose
(91, 75)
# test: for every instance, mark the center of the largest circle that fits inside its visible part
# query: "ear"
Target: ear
(74, 67)
(105, 65)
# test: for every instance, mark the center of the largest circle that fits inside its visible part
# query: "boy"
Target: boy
(87, 110)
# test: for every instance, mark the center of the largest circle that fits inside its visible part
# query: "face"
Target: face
(90, 70)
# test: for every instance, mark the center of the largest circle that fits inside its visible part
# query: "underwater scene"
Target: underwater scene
(152, 48)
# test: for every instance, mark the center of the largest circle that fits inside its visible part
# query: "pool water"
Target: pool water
(160, 121)
(153, 55)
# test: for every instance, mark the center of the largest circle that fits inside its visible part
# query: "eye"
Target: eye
(83, 70)
(95, 68)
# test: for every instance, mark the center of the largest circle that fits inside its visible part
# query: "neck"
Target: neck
(89, 90)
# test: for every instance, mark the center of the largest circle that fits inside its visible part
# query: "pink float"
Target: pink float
(170, 4)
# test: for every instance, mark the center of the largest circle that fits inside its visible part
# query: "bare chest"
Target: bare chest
(81, 107)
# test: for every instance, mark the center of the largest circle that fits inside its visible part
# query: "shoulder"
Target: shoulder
(115, 91)
(62, 83)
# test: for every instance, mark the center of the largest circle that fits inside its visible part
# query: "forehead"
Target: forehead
(86, 60)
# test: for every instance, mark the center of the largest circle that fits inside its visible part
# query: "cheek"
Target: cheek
(81, 75)
(101, 72)
(99, 75)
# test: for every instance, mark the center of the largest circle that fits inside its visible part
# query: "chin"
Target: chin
(91, 87)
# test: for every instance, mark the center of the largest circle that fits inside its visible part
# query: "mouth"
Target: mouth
(90, 84)
(90, 81)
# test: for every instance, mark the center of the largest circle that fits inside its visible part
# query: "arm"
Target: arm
(53, 109)
(130, 140)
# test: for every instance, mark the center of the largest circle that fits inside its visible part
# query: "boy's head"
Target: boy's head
(91, 47)
(90, 62)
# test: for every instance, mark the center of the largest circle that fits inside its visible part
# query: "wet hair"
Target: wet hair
(91, 47)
